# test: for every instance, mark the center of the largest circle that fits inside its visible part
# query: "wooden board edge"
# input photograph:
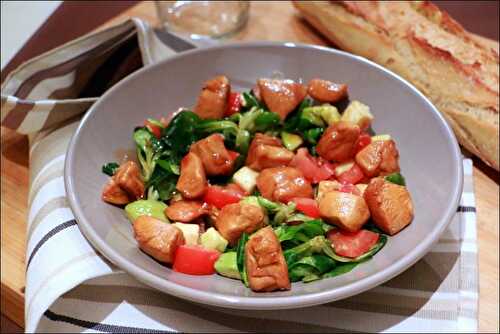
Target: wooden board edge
(12, 305)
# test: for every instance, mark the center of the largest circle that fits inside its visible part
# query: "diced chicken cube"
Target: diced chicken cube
(347, 211)
(281, 96)
(215, 157)
(212, 101)
(379, 158)
(283, 183)
(192, 182)
(190, 232)
(266, 152)
(265, 264)
(326, 91)
(327, 186)
(390, 205)
(185, 211)
(338, 143)
(112, 193)
(157, 238)
(129, 178)
(236, 218)
(125, 186)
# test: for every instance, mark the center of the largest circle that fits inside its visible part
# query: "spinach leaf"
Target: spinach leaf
(266, 120)
(310, 267)
(146, 153)
(249, 101)
(240, 257)
(169, 166)
(160, 158)
(164, 182)
(277, 212)
(396, 178)
(181, 132)
(208, 126)
(110, 168)
(242, 142)
(309, 229)
(142, 138)
(258, 120)
(293, 122)
(303, 272)
(307, 260)
(313, 246)
(312, 135)
(340, 269)
(238, 128)
(298, 217)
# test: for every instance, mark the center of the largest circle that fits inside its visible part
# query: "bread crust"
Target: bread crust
(456, 70)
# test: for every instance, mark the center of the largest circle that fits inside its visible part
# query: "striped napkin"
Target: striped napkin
(71, 287)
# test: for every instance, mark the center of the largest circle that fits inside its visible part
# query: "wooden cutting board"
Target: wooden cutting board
(274, 21)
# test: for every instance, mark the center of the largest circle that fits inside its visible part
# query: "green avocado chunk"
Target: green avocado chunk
(291, 141)
(226, 265)
(144, 207)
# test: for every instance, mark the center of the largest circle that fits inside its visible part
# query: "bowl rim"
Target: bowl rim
(277, 302)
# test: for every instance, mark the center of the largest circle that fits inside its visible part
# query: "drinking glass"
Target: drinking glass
(203, 19)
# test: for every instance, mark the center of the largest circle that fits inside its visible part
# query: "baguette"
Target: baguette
(456, 70)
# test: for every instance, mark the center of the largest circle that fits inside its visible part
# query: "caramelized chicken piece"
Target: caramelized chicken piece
(347, 211)
(327, 186)
(125, 186)
(185, 211)
(326, 91)
(283, 183)
(281, 96)
(112, 193)
(390, 205)
(266, 152)
(265, 264)
(236, 218)
(192, 182)
(129, 178)
(213, 98)
(338, 143)
(157, 238)
(381, 157)
(215, 157)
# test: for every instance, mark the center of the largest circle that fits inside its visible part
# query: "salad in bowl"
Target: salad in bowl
(282, 183)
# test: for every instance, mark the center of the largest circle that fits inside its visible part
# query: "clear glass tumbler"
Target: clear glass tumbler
(203, 19)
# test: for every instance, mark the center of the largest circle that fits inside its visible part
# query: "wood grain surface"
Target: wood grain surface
(271, 20)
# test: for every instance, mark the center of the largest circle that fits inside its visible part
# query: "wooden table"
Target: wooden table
(268, 21)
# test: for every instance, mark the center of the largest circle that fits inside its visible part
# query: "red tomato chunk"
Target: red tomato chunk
(233, 104)
(219, 196)
(351, 176)
(352, 244)
(314, 170)
(308, 206)
(364, 140)
(195, 260)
